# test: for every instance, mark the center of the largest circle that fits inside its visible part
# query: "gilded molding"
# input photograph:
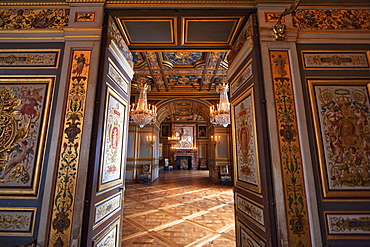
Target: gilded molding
(65, 182)
(290, 151)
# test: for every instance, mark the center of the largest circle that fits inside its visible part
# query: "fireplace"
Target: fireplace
(183, 163)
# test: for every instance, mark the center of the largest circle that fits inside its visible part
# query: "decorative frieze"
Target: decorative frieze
(107, 207)
(250, 209)
(331, 19)
(29, 59)
(34, 18)
(348, 223)
(117, 77)
(335, 60)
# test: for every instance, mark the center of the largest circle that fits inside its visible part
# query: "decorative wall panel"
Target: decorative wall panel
(68, 162)
(111, 170)
(246, 151)
(107, 207)
(117, 77)
(34, 18)
(17, 221)
(342, 123)
(335, 60)
(85, 17)
(29, 59)
(244, 76)
(290, 151)
(251, 209)
(348, 224)
(109, 237)
(24, 109)
(247, 237)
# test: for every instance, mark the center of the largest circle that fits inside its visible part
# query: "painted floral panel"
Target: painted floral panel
(344, 116)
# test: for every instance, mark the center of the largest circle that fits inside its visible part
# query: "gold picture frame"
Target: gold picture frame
(113, 149)
(22, 145)
(340, 109)
(247, 170)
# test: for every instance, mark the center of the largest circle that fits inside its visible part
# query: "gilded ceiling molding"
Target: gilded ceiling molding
(26, 4)
(184, 2)
(85, 1)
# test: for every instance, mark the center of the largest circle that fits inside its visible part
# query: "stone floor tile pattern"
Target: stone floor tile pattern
(181, 208)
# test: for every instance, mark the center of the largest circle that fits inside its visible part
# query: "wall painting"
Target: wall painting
(24, 109)
(111, 170)
(246, 151)
(341, 112)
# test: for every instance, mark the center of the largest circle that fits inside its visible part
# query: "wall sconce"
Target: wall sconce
(150, 140)
(216, 139)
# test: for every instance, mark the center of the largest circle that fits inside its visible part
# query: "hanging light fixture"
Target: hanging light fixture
(221, 113)
(143, 113)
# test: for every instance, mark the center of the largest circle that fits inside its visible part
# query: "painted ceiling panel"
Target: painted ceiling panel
(183, 57)
(181, 70)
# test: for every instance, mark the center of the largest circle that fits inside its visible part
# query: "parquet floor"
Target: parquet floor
(181, 208)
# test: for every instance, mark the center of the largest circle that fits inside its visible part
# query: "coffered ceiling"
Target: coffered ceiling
(181, 50)
(183, 53)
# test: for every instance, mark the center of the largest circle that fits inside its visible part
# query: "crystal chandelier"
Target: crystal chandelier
(221, 113)
(143, 113)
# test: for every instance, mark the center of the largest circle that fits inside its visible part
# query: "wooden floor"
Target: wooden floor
(181, 208)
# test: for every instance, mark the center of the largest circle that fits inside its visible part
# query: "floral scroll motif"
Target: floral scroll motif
(70, 150)
(17, 221)
(296, 207)
(321, 19)
(34, 18)
(348, 224)
(342, 115)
